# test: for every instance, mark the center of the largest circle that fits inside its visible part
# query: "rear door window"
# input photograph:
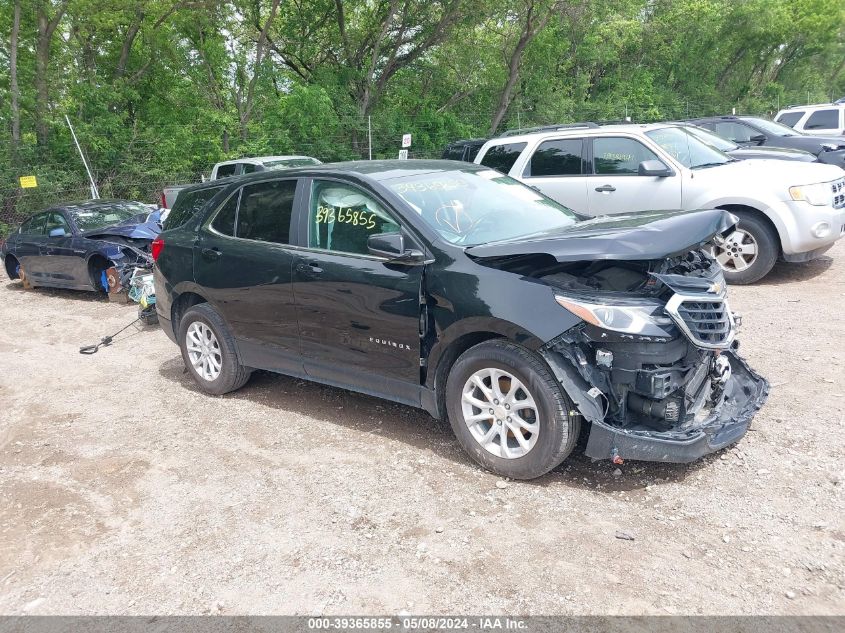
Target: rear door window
(34, 226)
(224, 171)
(733, 131)
(790, 118)
(343, 217)
(559, 157)
(224, 221)
(265, 211)
(619, 155)
(823, 120)
(248, 168)
(188, 204)
(502, 157)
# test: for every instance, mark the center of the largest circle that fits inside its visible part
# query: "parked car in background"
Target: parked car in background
(239, 167)
(749, 131)
(826, 119)
(72, 245)
(455, 289)
(790, 209)
(464, 150)
(747, 153)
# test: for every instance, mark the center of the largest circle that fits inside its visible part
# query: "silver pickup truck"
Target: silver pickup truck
(239, 167)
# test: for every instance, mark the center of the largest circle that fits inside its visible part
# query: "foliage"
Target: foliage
(159, 90)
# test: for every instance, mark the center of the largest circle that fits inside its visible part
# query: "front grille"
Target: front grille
(838, 189)
(706, 321)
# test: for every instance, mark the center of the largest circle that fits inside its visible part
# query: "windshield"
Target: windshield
(770, 127)
(107, 214)
(290, 162)
(475, 207)
(723, 145)
(687, 149)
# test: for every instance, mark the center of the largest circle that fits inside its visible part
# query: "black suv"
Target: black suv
(751, 131)
(453, 288)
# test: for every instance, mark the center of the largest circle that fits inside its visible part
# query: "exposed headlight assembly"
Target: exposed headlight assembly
(817, 195)
(642, 319)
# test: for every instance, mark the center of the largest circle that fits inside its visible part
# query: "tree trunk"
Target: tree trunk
(246, 114)
(533, 25)
(46, 28)
(13, 80)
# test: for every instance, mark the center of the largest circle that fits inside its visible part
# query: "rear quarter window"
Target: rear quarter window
(790, 118)
(502, 157)
(188, 204)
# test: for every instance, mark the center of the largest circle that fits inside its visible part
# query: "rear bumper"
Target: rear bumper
(167, 326)
(745, 393)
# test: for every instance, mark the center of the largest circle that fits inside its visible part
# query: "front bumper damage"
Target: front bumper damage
(626, 404)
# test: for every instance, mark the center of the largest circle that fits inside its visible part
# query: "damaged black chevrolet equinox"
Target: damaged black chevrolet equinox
(454, 288)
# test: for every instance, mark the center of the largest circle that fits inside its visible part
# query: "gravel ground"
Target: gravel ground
(124, 490)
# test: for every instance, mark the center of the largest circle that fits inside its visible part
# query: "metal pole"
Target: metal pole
(94, 193)
(370, 135)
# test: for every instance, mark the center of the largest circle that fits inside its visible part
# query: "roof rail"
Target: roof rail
(550, 128)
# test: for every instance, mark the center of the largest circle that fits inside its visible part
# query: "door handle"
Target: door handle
(211, 253)
(607, 188)
(311, 268)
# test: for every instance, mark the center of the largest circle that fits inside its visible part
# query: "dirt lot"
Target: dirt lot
(125, 490)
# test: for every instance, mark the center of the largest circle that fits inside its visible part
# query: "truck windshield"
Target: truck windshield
(471, 207)
(687, 149)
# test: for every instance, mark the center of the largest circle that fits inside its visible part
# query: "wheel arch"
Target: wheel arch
(181, 303)
(761, 215)
(459, 338)
(97, 262)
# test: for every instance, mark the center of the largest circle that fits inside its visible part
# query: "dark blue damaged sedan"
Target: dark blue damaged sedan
(72, 245)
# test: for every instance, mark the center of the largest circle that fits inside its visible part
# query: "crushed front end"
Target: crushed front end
(654, 365)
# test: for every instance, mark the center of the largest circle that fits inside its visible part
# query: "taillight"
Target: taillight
(156, 247)
(163, 201)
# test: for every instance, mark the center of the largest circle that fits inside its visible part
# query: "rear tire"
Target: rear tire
(13, 267)
(517, 386)
(209, 351)
(739, 265)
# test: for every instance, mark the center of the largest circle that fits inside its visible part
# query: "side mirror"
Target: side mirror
(758, 138)
(654, 168)
(59, 232)
(392, 246)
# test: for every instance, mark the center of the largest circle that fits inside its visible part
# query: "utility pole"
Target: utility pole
(95, 195)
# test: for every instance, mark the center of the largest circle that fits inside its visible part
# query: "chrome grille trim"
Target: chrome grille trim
(706, 320)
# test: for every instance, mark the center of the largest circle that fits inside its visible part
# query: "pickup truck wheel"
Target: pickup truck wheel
(508, 412)
(749, 252)
(209, 352)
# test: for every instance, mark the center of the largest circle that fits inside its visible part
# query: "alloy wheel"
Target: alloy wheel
(500, 412)
(204, 351)
(736, 252)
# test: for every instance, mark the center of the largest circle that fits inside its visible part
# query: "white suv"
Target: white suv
(825, 120)
(790, 209)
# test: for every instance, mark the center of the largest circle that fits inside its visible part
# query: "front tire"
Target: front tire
(749, 252)
(209, 351)
(508, 411)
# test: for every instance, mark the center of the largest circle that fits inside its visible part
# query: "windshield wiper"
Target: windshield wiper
(705, 165)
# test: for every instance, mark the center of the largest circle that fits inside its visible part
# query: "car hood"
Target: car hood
(771, 174)
(636, 236)
(146, 230)
(811, 143)
(779, 153)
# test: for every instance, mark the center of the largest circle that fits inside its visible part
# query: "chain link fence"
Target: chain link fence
(139, 174)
